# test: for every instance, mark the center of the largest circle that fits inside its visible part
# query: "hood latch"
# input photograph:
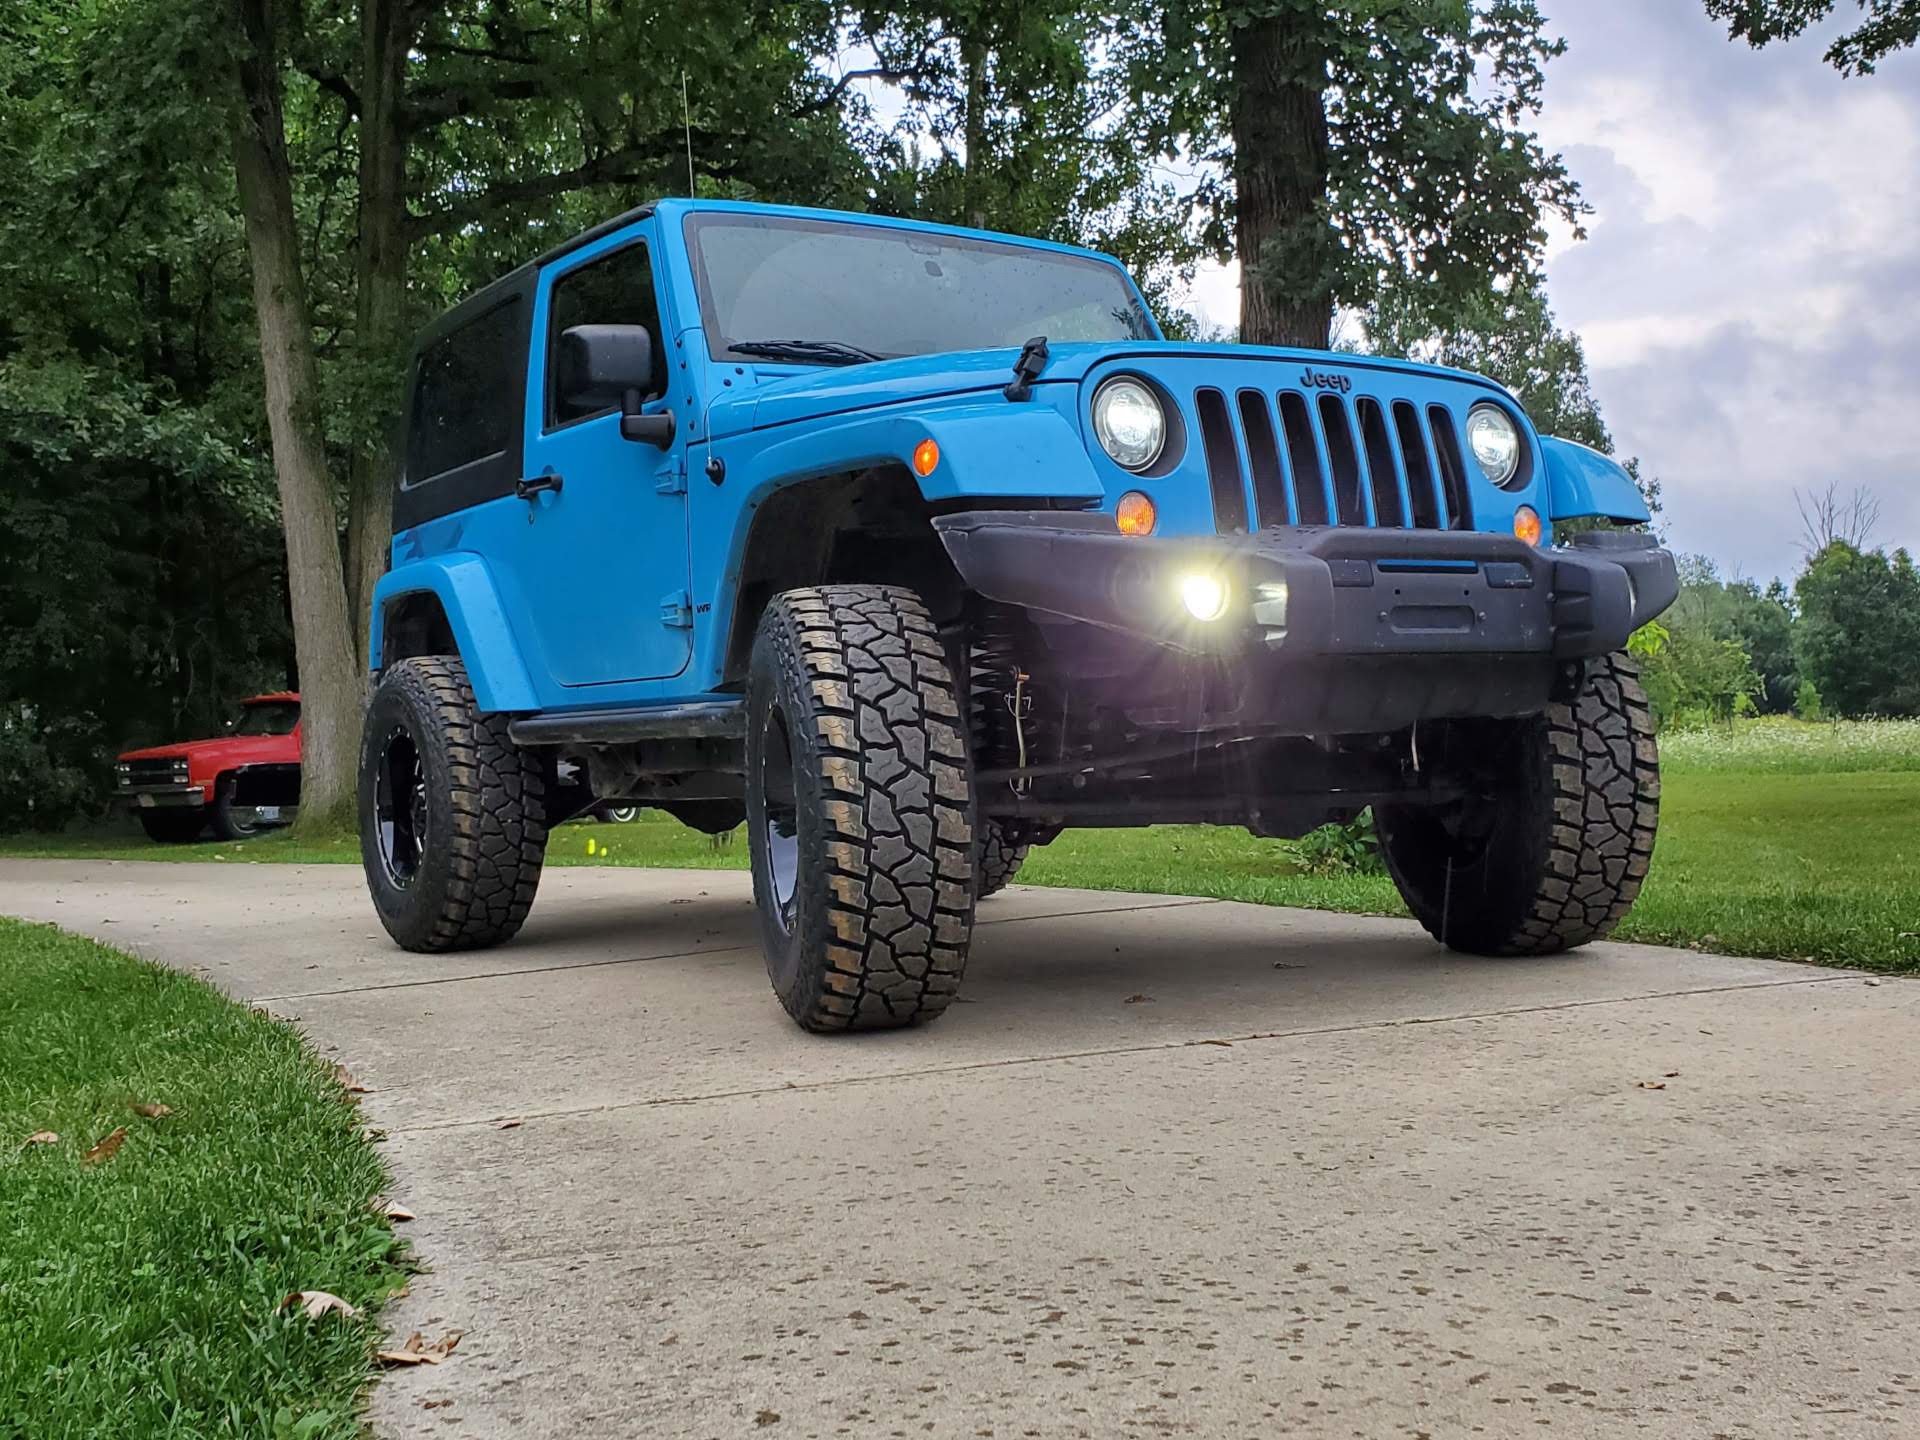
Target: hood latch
(1033, 359)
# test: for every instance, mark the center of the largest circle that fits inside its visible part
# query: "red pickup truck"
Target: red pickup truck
(240, 781)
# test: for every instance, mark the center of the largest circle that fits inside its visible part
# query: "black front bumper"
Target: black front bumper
(1326, 630)
(1305, 592)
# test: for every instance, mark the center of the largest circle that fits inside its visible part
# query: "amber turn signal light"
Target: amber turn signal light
(926, 455)
(1526, 525)
(1135, 514)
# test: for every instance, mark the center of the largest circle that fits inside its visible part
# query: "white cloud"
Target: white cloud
(1751, 285)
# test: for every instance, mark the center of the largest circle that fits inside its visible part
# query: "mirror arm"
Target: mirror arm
(647, 429)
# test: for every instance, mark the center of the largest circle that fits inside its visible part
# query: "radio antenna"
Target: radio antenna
(686, 114)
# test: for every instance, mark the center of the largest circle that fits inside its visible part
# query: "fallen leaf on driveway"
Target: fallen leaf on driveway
(107, 1148)
(1223, 1044)
(508, 1125)
(315, 1303)
(348, 1083)
(1673, 1074)
(766, 1418)
(153, 1112)
(1138, 1000)
(388, 1208)
(1653, 1084)
(42, 1137)
(1873, 982)
(417, 1352)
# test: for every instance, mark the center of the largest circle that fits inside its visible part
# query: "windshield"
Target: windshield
(275, 717)
(879, 292)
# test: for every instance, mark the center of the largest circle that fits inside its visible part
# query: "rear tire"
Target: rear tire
(859, 808)
(1557, 856)
(173, 827)
(452, 813)
(999, 860)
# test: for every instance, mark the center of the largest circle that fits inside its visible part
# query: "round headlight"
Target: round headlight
(1494, 441)
(1130, 423)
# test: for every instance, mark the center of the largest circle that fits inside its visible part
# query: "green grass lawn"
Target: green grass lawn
(1777, 839)
(140, 1294)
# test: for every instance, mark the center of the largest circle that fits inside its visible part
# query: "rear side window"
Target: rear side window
(466, 400)
(616, 289)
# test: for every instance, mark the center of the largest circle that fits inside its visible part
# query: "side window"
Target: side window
(466, 395)
(616, 289)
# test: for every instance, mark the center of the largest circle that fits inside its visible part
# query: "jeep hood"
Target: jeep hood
(774, 394)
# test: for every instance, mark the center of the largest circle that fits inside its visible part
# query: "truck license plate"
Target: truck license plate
(145, 802)
(267, 812)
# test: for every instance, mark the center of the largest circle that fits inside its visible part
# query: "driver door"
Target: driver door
(605, 562)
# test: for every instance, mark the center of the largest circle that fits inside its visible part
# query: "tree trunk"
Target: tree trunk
(381, 280)
(331, 683)
(973, 60)
(1287, 250)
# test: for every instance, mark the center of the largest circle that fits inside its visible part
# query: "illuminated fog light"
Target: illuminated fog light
(1205, 596)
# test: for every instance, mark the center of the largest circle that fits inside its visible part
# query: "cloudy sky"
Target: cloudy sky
(1749, 290)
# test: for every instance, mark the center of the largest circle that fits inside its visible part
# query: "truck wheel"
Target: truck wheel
(859, 808)
(999, 860)
(1556, 856)
(452, 814)
(226, 824)
(173, 827)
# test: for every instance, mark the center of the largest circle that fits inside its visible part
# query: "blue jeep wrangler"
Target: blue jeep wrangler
(910, 546)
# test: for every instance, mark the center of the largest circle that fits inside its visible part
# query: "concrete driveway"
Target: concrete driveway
(1172, 1167)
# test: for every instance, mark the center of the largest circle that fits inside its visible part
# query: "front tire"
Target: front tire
(1556, 854)
(859, 808)
(452, 813)
(228, 825)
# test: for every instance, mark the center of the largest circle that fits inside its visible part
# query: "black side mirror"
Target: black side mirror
(605, 365)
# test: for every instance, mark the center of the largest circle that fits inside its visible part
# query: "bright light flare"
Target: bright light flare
(1205, 596)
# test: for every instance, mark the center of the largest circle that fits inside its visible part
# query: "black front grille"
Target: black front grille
(141, 773)
(1291, 460)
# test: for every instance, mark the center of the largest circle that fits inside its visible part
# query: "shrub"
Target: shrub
(1806, 702)
(1349, 849)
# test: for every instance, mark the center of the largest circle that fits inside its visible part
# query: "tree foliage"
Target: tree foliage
(138, 533)
(1015, 117)
(1354, 144)
(1859, 630)
(1887, 26)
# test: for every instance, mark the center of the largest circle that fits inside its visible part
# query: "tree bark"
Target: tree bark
(973, 61)
(380, 295)
(331, 684)
(1280, 173)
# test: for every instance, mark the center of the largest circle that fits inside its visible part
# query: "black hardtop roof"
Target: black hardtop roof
(518, 280)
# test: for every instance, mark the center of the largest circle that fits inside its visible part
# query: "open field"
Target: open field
(144, 1286)
(1777, 839)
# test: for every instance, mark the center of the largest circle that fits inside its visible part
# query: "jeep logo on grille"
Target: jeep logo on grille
(1325, 380)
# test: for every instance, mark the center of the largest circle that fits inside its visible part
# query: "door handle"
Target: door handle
(529, 486)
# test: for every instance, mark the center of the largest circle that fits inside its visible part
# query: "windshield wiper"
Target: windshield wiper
(821, 352)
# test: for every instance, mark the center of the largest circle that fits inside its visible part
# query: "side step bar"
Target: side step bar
(707, 720)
